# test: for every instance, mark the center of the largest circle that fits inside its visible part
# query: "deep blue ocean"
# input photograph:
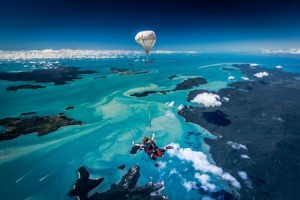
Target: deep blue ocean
(45, 167)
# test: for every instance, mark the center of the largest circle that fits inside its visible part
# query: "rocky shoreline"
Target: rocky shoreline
(24, 86)
(126, 72)
(262, 138)
(184, 85)
(58, 75)
(126, 189)
(42, 125)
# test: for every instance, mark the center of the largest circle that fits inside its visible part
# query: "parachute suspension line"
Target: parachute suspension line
(149, 102)
(147, 40)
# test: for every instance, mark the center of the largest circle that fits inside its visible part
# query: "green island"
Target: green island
(41, 125)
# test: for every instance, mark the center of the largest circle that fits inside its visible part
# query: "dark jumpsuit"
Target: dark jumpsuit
(151, 147)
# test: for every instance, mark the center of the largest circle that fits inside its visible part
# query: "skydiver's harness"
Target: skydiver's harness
(150, 144)
(152, 149)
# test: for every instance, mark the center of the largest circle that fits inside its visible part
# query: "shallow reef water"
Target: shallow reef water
(209, 160)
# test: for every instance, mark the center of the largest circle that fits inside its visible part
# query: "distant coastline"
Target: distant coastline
(76, 54)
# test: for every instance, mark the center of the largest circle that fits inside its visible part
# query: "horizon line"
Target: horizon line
(99, 54)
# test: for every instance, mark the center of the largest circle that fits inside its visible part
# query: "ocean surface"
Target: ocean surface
(33, 167)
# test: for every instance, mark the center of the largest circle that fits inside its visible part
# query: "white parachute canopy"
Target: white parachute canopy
(146, 39)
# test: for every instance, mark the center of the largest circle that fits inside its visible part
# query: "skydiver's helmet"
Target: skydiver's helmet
(145, 139)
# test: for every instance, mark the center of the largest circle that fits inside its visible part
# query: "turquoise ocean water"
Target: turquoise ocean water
(45, 167)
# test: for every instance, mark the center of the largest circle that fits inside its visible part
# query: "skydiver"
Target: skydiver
(151, 148)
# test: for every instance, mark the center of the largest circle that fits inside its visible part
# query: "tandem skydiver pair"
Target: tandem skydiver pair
(151, 148)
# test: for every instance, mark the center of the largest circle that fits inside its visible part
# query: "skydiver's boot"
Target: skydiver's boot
(169, 147)
(152, 156)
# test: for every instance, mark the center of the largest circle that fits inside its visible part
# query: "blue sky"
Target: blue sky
(208, 25)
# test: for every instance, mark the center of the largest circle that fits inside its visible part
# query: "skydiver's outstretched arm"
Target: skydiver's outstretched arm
(153, 136)
(138, 145)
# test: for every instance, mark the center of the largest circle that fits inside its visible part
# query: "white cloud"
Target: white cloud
(226, 99)
(188, 185)
(198, 159)
(278, 67)
(243, 175)
(280, 51)
(230, 78)
(75, 54)
(245, 156)
(204, 180)
(172, 52)
(162, 164)
(245, 78)
(266, 51)
(232, 180)
(261, 74)
(253, 65)
(180, 107)
(236, 145)
(173, 171)
(207, 99)
(64, 54)
(170, 104)
(200, 163)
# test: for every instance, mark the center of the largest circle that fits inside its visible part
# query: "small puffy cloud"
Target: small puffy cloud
(278, 67)
(226, 99)
(204, 180)
(253, 65)
(162, 164)
(230, 78)
(243, 175)
(245, 156)
(173, 171)
(245, 78)
(235, 145)
(170, 104)
(207, 99)
(180, 107)
(188, 185)
(226, 176)
(261, 74)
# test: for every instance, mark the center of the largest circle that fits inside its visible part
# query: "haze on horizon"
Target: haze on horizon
(214, 25)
